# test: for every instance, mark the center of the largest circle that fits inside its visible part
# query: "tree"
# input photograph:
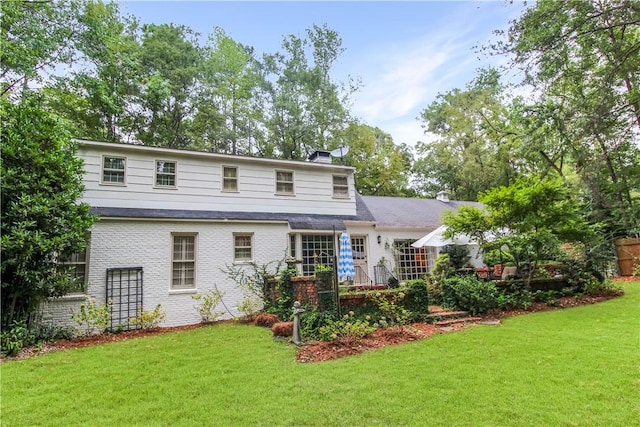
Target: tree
(307, 109)
(99, 96)
(382, 167)
(170, 60)
(36, 37)
(584, 58)
(470, 154)
(229, 107)
(42, 218)
(531, 218)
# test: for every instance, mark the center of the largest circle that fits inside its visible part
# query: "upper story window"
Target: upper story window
(165, 174)
(284, 182)
(340, 186)
(183, 260)
(229, 178)
(114, 170)
(242, 247)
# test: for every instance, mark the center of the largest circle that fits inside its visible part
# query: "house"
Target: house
(172, 221)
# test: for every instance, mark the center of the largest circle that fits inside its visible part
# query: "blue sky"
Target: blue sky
(405, 53)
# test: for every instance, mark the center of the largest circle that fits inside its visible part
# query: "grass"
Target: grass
(572, 367)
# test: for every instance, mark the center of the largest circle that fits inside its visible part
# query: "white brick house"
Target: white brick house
(171, 220)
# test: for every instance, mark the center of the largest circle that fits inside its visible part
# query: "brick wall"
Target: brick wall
(148, 244)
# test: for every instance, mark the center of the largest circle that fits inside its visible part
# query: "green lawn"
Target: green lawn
(573, 367)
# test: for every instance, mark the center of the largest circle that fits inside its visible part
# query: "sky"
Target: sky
(404, 53)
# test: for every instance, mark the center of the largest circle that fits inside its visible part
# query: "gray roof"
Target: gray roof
(399, 212)
(410, 212)
(296, 221)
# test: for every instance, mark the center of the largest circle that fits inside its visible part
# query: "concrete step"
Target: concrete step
(448, 322)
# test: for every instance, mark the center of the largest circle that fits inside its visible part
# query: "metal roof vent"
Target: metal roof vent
(443, 196)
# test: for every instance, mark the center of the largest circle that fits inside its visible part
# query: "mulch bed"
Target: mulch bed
(321, 351)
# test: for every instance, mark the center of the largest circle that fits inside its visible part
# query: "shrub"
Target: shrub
(391, 310)
(469, 293)
(92, 317)
(417, 299)
(434, 294)
(510, 299)
(458, 255)
(49, 333)
(443, 267)
(594, 287)
(312, 320)
(282, 329)
(148, 319)
(207, 303)
(42, 218)
(17, 337)
(283, 306)
(347, 330)
(250, 305)
(266, 320)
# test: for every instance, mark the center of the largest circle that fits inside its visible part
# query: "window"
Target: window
(76, 265)
(340, 186)
(229, 178)
(165, 174)
(113, 170)
(242, 247)
(293, 249)
(284, 182)
(316, 249)
(183, 261)
(411, 262)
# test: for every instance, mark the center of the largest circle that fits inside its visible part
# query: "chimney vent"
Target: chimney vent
(320, 156)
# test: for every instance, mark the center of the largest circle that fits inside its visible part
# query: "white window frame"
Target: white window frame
(73, 262)
(237, 247)
(156, 174)
(103, 169)
(344, 186)
(184, 262)
(234, 179)
(292, 183)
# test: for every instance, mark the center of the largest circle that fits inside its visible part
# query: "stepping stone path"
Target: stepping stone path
(446, 319)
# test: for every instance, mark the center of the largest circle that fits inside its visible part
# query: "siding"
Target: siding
(199, 183)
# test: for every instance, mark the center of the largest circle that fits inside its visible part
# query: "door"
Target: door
(359, 249)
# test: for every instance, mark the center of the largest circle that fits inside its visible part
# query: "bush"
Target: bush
(347, 330)
(417, 299)
(468, 293)
(312, 320)
(207, 303)
(434, 294)
(513, 299)
(282, 329)
(148, 319)
(16, 338)
(92, 317)
(41, 218)
(443, 267)
(391, 310)
(266, 320)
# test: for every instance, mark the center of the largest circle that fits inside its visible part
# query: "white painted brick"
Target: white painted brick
(147, 244)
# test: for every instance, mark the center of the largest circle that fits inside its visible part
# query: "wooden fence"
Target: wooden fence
(628, 252)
